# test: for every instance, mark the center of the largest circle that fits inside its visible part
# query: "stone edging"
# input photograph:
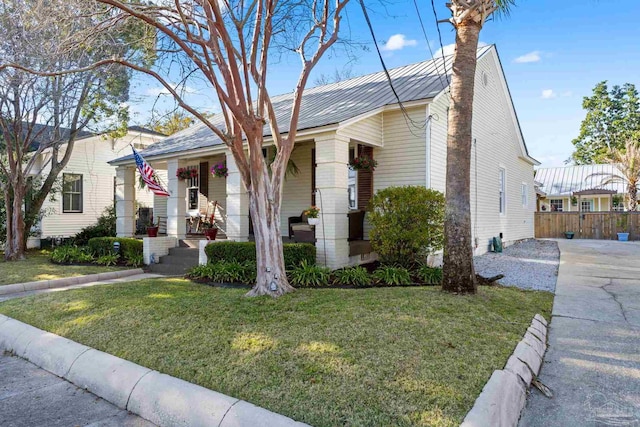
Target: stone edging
(162, 399)
(505, 394)
(67, 281)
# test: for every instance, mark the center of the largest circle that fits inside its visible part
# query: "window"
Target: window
(525, 195)
(586, 205)
(556, 205)
(71, 193)
(502, 187)
(353, 183)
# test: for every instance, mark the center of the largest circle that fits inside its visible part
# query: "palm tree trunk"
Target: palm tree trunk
(632, 189)
(459, 274)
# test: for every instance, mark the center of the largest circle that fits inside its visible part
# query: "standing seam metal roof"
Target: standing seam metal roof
(329, 104)
(563, 181)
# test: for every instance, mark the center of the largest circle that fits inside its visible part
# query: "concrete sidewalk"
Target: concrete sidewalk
(593, 361)
(85, 285)
(32, 397)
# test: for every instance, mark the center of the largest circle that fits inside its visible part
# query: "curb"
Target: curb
(66, 281)
(162, 399)
(505, 394)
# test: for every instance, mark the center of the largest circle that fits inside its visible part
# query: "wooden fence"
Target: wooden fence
(588, 225)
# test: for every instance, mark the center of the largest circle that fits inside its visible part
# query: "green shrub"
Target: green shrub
(407, 224)
(135, 260)
(309, 275)
(392, 275)
(107, 260)
(71, 254)
(294, 253)
(429, 275)
(130, 249)
(105, 227)
(225, 272)
(353, 276)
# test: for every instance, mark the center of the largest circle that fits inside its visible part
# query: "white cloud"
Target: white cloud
(397, 42)
(548, 94)
(566, 94)
(161, 90)
(528, 57)
(450, 48)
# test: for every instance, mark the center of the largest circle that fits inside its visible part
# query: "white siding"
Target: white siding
(402, 160)
(496, 146)
(368, 130)
(89, 158)
(297, 189)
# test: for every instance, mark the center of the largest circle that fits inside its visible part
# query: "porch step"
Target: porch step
(178, 262)
(190, 243)
(169, 269)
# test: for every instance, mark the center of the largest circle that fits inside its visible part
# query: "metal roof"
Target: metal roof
(329, 104)
(563, 181)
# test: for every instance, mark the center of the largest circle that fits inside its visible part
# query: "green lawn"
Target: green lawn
(369, 357)
(37, 267)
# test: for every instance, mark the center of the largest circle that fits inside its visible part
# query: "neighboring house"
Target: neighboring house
(87, 182)
(579, 188)
(338, 121)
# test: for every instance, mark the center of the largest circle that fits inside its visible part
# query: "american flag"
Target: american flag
(148, 175)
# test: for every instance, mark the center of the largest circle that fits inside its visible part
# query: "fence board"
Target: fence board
(588, 225)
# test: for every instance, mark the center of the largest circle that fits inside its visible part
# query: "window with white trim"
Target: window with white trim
(352, 183)
(557, 205)
(71, 193)
(586, 205)
(525, 195)
(502, 188)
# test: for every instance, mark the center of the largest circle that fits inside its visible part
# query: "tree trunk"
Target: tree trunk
(459, 275)
(632, 189)
(265, 215)
(15, 246)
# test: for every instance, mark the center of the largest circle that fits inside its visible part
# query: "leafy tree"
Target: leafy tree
(42, 114)
(613, 118)
(229, 44)
(172, 123)
(468, 18)
(627, 161)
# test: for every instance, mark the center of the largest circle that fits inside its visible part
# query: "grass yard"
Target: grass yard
(38, 267)
(369, 357)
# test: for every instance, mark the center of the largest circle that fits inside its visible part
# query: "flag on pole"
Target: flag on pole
(148, 175)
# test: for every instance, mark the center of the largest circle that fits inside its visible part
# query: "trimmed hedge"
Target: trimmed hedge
(294, 253)
(129, 248)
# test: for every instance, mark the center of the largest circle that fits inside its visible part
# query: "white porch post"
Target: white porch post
(177, 202)
(125, 201)
(237, 203)
(332, 158)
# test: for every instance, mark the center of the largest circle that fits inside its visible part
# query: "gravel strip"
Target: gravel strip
(528, 264)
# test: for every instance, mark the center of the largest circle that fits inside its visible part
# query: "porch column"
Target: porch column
(177, 202)
(237, 203)
(125, 201)
(332, 159)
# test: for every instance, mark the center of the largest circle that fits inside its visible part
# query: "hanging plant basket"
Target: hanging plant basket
(363, 162)
(219, 170)
(186, 173)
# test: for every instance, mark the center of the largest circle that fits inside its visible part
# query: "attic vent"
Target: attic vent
(485, 79)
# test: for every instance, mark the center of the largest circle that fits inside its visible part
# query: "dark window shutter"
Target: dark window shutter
(365, 179)
(204, 179)
(313, 177)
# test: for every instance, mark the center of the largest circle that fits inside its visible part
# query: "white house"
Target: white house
(88, 182)
(584, 188)
(343, 119)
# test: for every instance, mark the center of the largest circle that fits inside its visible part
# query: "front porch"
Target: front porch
(323, 179)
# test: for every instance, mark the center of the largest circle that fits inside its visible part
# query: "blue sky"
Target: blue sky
(553, 54)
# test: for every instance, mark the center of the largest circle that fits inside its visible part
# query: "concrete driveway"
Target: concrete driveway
(593, 361)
